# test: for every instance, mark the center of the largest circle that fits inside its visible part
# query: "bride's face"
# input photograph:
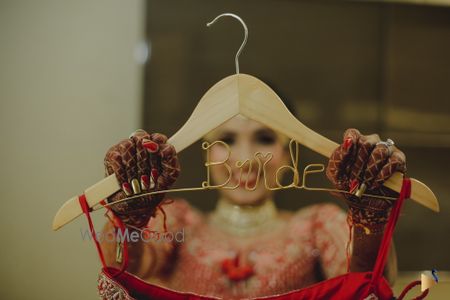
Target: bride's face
(246, 137)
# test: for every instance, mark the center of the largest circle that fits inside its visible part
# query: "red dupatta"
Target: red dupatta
(121, 285)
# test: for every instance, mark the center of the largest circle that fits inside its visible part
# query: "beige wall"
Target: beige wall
(69, 88)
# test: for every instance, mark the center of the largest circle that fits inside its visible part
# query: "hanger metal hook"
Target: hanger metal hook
(236, 60)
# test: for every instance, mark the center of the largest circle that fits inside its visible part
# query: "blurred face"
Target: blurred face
(246, 137)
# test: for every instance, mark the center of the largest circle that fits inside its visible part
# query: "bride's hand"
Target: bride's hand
(142, 163)
(360, 165)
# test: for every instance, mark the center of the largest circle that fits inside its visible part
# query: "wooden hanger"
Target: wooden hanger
(245, 95)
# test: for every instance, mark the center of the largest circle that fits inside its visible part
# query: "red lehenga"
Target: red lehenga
(280, 270)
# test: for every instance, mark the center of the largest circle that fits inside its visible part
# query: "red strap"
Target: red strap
(389, 230)
(86, 210)
(410, 286)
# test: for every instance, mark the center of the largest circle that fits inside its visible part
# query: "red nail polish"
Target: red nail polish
(347, 143)
(145, 182)
(353, 185)
(150, 146)
(155, 174)
(127, 188)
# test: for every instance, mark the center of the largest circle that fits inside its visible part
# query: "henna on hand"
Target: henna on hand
(361, 161)
(143, 163)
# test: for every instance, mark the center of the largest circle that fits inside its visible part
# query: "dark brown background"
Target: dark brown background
(381, 68)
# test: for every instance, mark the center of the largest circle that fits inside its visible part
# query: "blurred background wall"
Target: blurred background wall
(72, 84)
(70, 87)
(380, 67)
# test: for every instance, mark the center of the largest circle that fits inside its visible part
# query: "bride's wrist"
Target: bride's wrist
(371, 219)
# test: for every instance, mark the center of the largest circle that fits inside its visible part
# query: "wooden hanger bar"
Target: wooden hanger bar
(248, 96)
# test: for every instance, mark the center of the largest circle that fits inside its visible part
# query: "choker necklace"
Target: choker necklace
(244, 219)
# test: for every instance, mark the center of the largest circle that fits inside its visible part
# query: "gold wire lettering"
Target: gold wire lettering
(258, 157)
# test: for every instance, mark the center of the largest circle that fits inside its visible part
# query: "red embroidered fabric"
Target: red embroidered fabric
(119, 284)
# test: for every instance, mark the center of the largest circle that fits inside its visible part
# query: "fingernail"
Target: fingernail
(150, 146)
(145, 182)
(353, 185)
(347, 143)
(152, 183)
(136, 186)
(155, 174)
(153, 177)
(127, 188)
